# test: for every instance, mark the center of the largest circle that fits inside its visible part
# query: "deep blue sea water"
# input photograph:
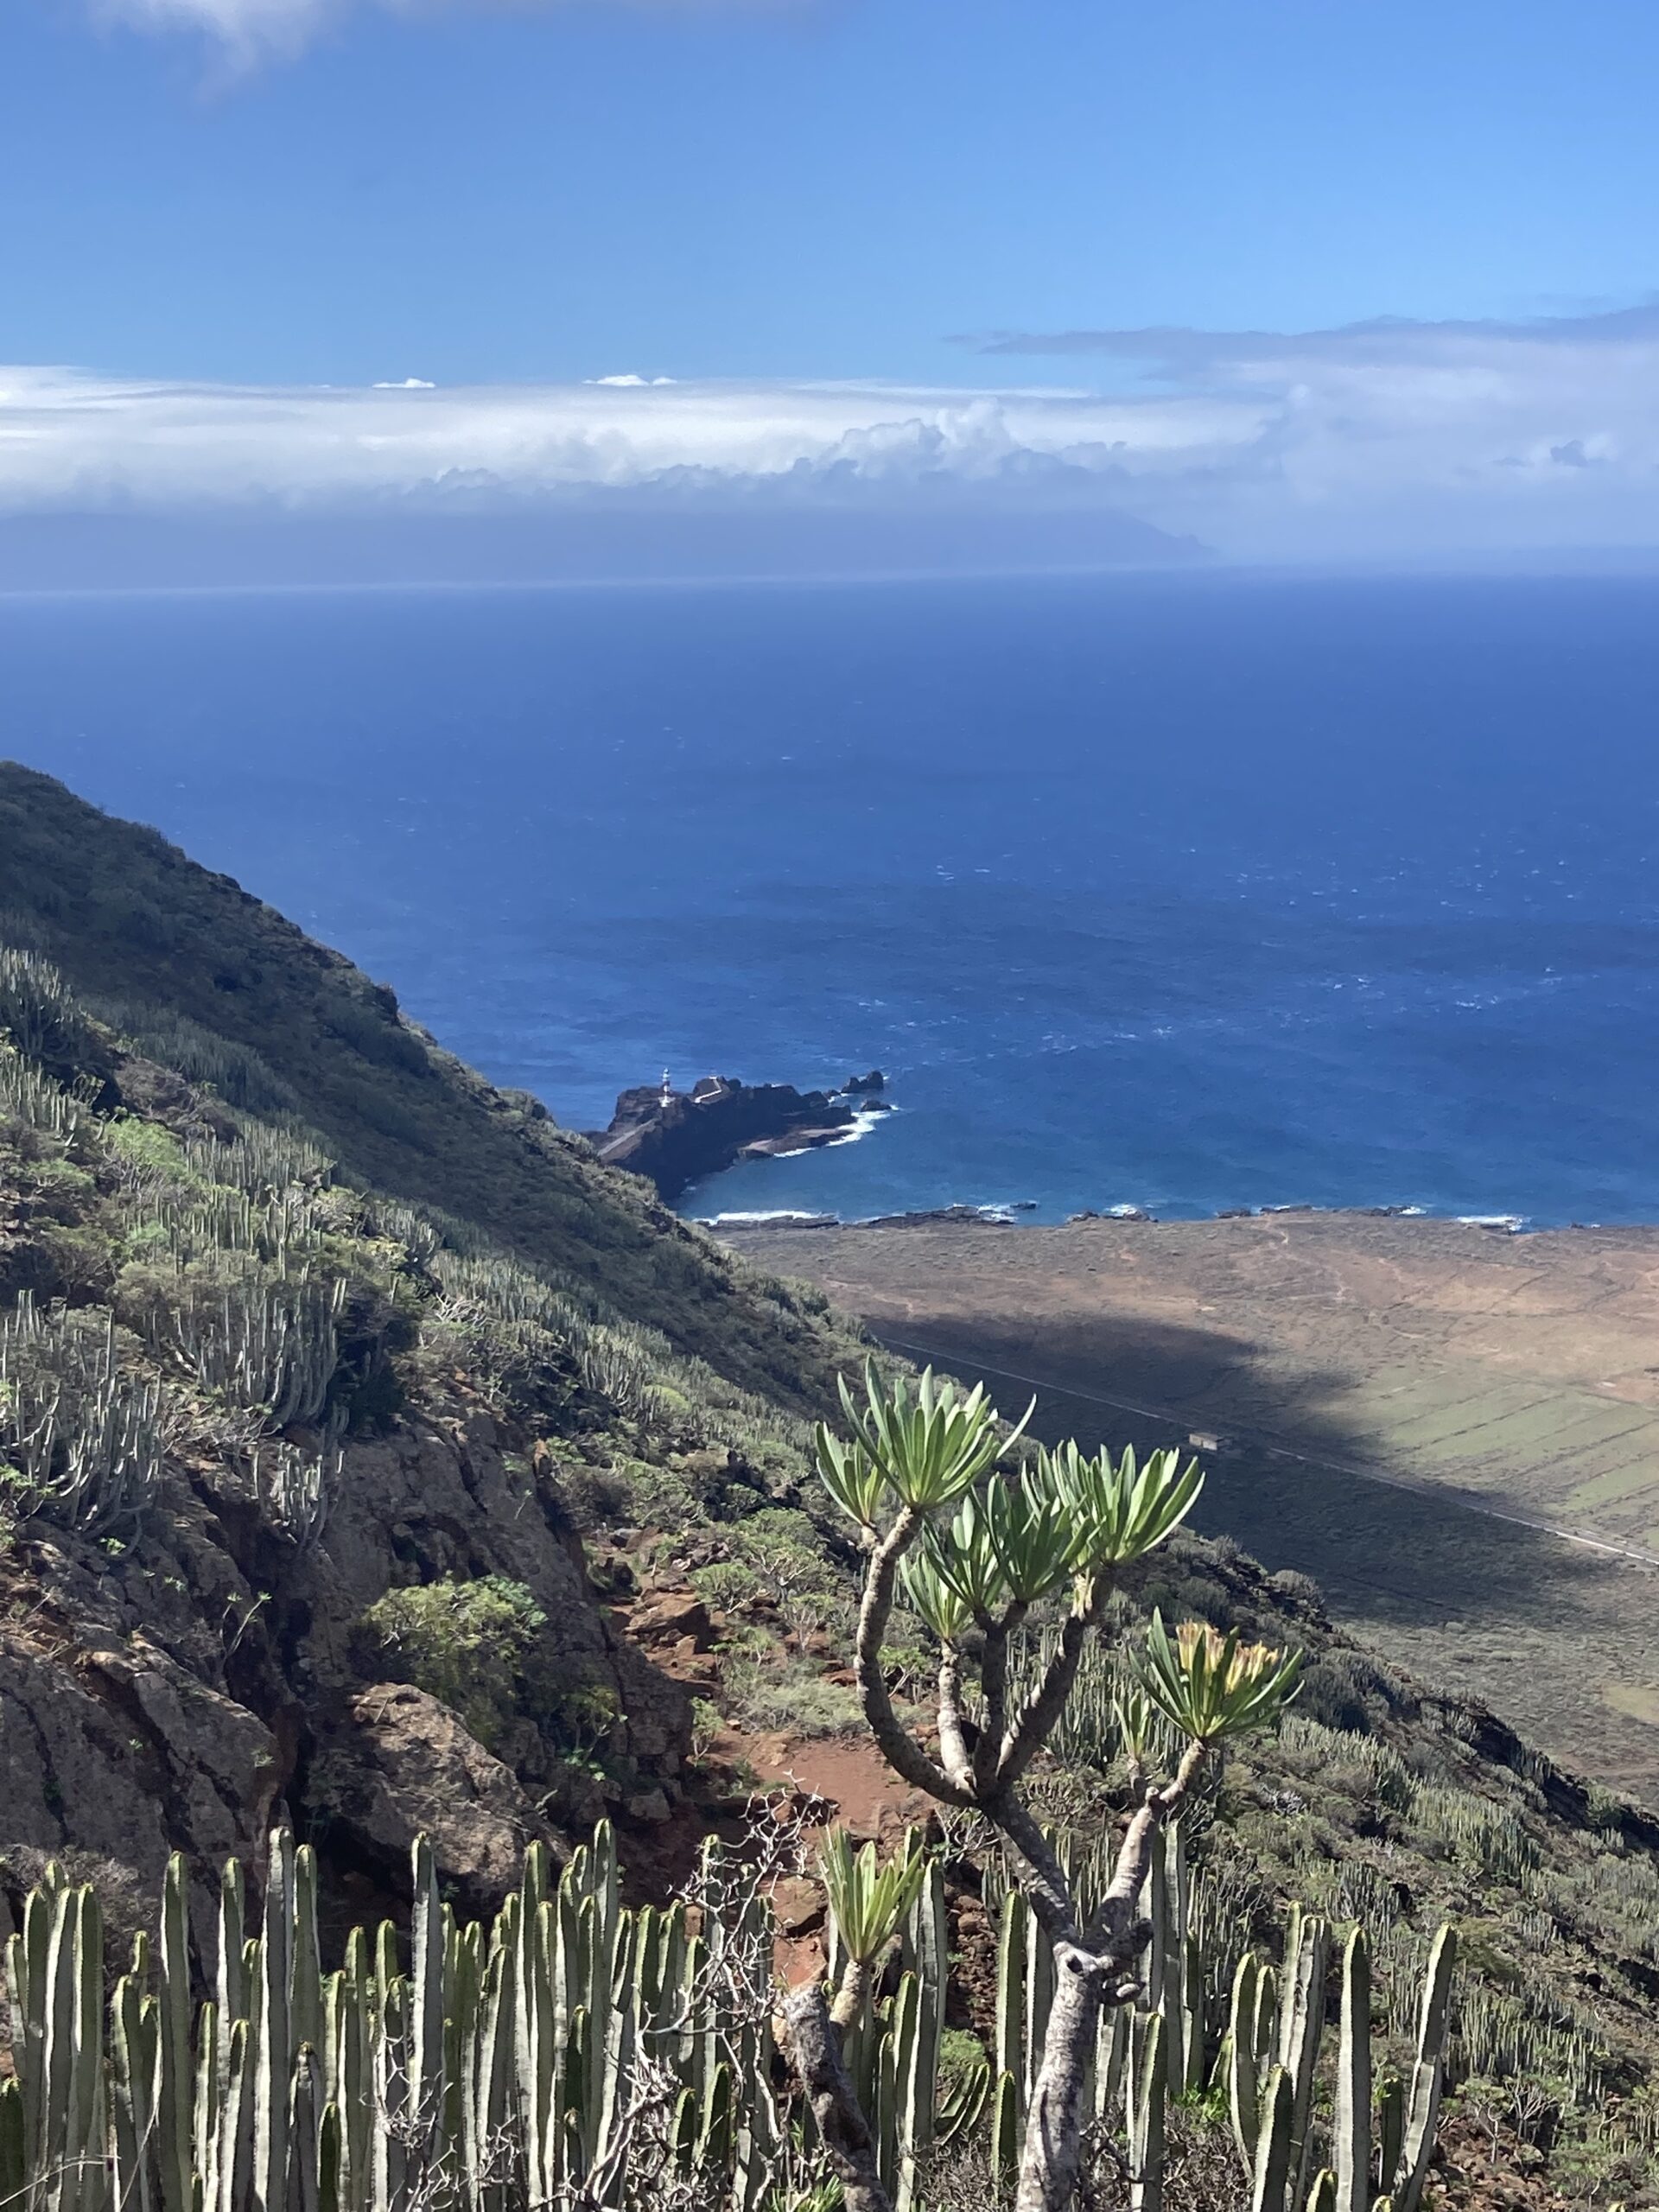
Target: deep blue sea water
(1183, 892)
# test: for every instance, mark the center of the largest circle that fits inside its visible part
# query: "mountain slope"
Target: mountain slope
(173, 949)
(373, 1458)
(309, 1381)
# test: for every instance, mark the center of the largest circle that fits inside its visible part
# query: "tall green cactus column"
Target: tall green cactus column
(1351, 2122)
(1422, 2114)
(1301, 2029)
(1008, 2061)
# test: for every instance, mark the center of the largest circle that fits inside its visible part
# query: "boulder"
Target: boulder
(403, 1766)
(670, 1616)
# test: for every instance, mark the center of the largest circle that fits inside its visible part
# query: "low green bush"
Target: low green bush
(772, 1695)
(464, 1644)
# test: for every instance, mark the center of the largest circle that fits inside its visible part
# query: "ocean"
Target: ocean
(1179, 892)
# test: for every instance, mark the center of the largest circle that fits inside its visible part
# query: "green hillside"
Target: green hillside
(191, 969)
(374, 1460)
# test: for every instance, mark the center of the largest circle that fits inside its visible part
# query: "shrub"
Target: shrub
(145, 1149)
(1333, 1692)
(463, 1643)
(727, 1585)
(768, 1693)
(707, 1721)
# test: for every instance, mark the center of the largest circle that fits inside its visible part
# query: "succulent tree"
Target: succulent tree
(977, 1543)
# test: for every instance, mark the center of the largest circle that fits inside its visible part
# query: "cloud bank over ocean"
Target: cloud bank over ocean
(1399, 440)
(1390, 442)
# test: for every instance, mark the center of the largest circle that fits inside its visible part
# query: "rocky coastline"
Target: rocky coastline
(675, 1138)
(1004, 1214)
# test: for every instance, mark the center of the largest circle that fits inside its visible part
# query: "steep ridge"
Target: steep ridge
(224, 989)
(376, 1337)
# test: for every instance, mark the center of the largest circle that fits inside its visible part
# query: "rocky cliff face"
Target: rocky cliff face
(173, 1700)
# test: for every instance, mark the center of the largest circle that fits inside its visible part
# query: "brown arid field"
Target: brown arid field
(1455, 1430)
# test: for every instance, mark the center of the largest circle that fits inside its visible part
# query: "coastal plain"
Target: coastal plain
(1455, 1430)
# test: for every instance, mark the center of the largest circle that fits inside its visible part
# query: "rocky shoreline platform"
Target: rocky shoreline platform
(677, 1138)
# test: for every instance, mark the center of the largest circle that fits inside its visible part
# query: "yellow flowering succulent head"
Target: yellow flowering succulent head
(1212, 1686)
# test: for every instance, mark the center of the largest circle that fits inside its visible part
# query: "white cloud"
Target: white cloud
(67, 439)
(1388, 442)
(247, 29)
(1395, 438)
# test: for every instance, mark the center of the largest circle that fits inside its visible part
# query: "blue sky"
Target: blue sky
(284, 194)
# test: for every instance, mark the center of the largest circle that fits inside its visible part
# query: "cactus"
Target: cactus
(1391, 2127)
(1427, 2078)
(426, 2053)
(174, 2084)
(1013, 2039)
(1352, 2128)
(1247, 2054)
(83, 1436)
(132, 2081)
(1111, 2056)
(1301, 2024)
(1270, 2188)
(389, 2083)
(1007, 2126)
(927, 1953)
(13, 2146)
(1147, 2115)
(273, 2053)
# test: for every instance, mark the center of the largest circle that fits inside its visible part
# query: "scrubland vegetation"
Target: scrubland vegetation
(222, 1285)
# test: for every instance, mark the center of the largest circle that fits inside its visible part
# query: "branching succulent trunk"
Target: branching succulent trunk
(1091, 1965)
(815, 2046)
(1054, 2127)
(1068, 1520)
(1090, 1968)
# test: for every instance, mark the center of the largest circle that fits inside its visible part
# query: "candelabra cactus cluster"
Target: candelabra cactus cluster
(32, 1097)
(1348, 2150)
(295, 1489)
(533, 2060)
(573, 2054)
(271, 1348)
(1272, 2048)
(38, 1011)
(81, 1437)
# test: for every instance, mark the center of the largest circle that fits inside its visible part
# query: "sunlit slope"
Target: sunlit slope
(212, 982)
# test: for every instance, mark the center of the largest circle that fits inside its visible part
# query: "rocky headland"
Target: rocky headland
(675, 1138)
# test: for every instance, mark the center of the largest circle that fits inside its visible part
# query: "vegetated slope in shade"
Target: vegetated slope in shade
(1323, 1346)
(224, 990)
